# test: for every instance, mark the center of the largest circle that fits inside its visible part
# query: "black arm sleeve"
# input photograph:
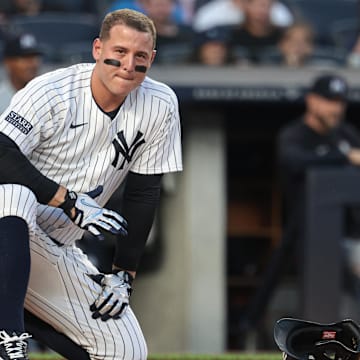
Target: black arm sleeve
(15, 168)
(141, 198)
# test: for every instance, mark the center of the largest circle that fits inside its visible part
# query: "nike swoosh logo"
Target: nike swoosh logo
(84, 202)
(73, 126)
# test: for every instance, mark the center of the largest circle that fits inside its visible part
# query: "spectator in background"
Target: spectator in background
(122, 4)
(25, 7)
(186, 9)
(177, 14)
(296, 45)
(212, 48)
(257, 32)
(12, 8)
(21, 61)
(319, 138)
(294, 49)
(174, 40)
(231, 12)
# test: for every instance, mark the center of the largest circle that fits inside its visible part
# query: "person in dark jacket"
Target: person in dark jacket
(320, 137)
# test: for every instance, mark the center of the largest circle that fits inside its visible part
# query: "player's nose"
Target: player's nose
(129, 63)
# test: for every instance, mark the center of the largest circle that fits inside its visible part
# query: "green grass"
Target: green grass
(234, 356)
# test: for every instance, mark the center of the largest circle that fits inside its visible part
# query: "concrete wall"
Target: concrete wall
(181, 307)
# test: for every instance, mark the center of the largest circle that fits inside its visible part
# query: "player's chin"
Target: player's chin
(128, 86)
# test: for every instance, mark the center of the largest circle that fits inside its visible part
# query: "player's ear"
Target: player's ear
(153, 56)
(96, 49)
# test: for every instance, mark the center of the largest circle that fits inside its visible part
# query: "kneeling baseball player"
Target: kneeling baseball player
(68, 139)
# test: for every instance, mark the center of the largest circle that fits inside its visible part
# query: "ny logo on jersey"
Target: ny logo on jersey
(121, 147)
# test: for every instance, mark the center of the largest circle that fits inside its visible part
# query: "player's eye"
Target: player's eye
(141, 56)
(120, 51)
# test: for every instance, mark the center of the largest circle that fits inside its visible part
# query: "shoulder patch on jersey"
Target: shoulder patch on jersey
(19, 122)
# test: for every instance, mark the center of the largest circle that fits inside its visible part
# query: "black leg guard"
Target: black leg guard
(56, 341)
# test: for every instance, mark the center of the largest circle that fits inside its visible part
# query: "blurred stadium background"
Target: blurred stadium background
(221, 220)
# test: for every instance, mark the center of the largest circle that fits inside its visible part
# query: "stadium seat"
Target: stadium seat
(58, 33)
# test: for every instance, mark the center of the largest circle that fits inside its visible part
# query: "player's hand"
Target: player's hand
(114, 297)
(86, 213)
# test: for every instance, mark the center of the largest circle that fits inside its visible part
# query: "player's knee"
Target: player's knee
(17, 200)
(134, 349)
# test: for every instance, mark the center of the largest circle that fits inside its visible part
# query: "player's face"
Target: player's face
(328, 112)
(23, 69)
(131, 48)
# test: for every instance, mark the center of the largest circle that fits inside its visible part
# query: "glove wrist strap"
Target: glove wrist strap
(69, 203)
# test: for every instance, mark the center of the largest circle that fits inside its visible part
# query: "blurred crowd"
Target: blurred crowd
(290, 33)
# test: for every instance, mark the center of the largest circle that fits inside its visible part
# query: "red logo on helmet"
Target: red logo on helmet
(329, 335)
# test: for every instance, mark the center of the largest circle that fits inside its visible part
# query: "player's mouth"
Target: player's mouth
(126, 78)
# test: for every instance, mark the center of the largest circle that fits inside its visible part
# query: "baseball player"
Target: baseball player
(68, 139)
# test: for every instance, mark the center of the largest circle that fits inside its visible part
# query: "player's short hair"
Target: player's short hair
(128, 17)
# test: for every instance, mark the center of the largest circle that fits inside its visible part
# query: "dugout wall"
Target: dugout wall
(223, 219)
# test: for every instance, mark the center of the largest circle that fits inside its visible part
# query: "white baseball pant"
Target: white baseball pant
(60, 293)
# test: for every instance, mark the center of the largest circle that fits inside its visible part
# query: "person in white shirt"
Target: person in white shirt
(229, 12)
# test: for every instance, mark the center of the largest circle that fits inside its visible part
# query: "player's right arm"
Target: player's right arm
(15, 168)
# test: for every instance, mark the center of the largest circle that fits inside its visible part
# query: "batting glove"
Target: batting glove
(114, 297)
(90, 216)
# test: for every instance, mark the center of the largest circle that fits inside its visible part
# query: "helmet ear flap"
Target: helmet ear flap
(305, 340)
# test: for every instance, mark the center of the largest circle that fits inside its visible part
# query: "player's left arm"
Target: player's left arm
(141, 199)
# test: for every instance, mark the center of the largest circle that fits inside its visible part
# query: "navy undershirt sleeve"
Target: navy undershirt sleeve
(141, 199)
(15, 168)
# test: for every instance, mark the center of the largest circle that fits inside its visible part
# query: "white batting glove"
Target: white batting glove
(114, 297)
(90, 216)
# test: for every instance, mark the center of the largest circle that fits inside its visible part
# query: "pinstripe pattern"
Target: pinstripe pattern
(66, 279)
(71, 157)
(75, 144)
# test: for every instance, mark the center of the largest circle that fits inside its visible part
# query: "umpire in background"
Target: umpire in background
(320, 137)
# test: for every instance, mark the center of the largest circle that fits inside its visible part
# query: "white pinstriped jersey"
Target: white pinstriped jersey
(57, 124)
